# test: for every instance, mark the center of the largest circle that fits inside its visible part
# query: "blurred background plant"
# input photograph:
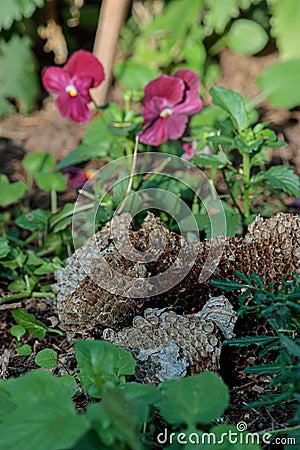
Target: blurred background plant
(158, 36)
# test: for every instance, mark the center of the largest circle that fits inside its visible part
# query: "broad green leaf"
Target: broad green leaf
(141, 397)
(17, 331)
(4, 247)
(285, 27)
(69, 384)
(28, 321)
(283, 178)
(134, 75)
(102, 365)
(211, 161)
(246, 37)
(16, 9)
(10, 192)
(99, 141)
(46, 358)
(49, 181)
(194, 400)
(38, 162)
(34, 220)
(115, 420)
(24, 350)
(18, 77)
(233, 103)
(280, 83)
(44, 416)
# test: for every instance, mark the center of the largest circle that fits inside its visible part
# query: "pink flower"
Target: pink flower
(168, 101)
(72, 83)
(190, 150)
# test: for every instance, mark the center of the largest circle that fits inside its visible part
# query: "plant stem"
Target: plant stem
(246, 176)
(22, 295)
(131, 174)
(53, 201)
(2, 229)
(231, 194)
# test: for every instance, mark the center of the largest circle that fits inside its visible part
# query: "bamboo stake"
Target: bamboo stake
(110, 21)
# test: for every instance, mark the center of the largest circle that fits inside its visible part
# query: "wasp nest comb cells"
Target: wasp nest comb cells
(107, 288)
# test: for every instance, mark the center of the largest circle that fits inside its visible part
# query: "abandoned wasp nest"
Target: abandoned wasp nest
(167, 345)
(105, 285)
(114, 287)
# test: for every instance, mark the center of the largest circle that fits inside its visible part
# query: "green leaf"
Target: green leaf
(233, 103)
(280, 83)
(290, 345)
(102, 365)
(38, 162)
(228, 285)
(219, 13)
(211, 161)
(17, 331)
(4, 247)
(49, 181)
(10, 192)
(98, 142)
(16, 9)
(34, 220)
(194, 400)
(46, 358)
(29, 322)
(115, 421)
(246, 37)
(66, 212)
(285, 28)
(18, 76)
(283, 178)
(69, 384)
(141, 397)
(134, 75)
(44, 416)
(24, 350)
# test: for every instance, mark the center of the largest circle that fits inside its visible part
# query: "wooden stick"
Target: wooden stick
(110, 21)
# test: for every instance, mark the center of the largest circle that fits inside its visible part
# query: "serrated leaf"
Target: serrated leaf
(290, 345)
(29, 322)
(44, 416)
(280, 83)
(16, 9)
(46, 358)
(194, 400)
(18, 78)
(283, 178)
(246, 37)
(233, 103)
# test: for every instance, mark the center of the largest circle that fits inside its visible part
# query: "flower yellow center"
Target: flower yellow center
(166, 113)
(89, 174)
(71, 90)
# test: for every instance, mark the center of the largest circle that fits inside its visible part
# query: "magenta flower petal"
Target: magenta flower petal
(83, 86)
(155, 134)
(55, 80)
(84, 64)
(190, 77)
(176, 126)
(75, 108)
(153, 108)
(169, 88)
